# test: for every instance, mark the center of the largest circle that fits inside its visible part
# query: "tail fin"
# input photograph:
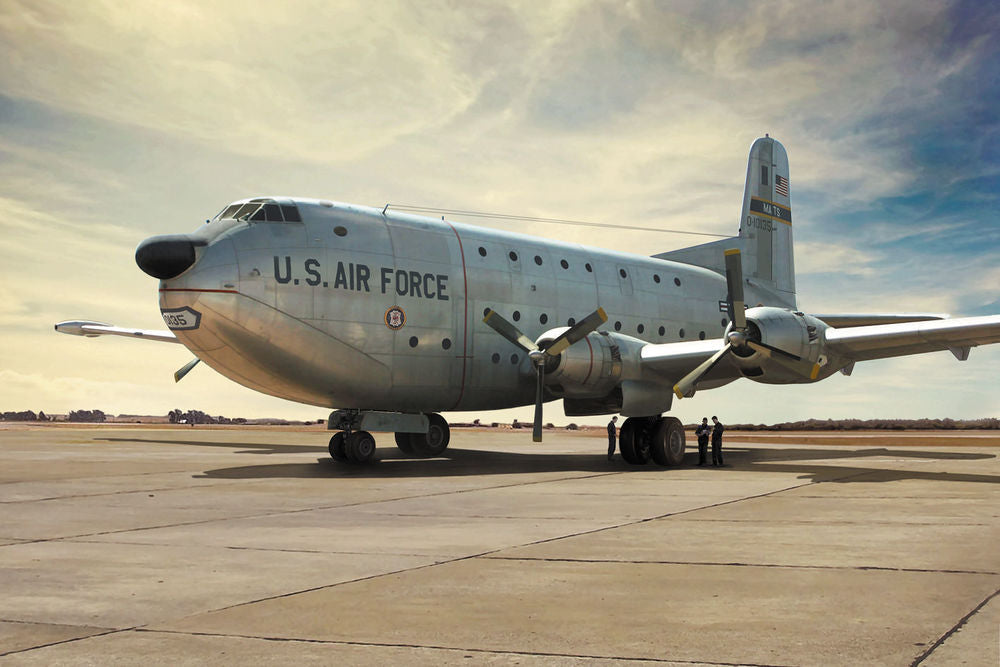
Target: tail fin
(765, 237)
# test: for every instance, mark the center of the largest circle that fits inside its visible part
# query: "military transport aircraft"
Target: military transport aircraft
(393, 318)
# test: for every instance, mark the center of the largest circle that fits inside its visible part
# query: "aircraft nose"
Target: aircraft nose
(166, 256)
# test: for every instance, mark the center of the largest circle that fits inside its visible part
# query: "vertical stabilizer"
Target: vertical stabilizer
(766, 221)
(765, 236)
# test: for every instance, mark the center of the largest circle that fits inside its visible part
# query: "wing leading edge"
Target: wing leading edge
(896, 340)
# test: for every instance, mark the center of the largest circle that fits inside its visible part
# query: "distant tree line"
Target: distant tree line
(199, 417)
(24, 416)
(986, 423)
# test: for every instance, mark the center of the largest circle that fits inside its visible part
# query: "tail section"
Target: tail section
(765, 236)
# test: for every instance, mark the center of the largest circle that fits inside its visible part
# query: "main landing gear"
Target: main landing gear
(658, 438)
(416, 434)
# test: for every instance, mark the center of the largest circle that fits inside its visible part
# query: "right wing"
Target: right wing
(92, 329)
(895, 340)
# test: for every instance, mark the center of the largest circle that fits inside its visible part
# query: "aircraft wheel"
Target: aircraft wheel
(337, 451)
(668, 442)
(405, 442)
(361, 447)
(435, 441)
(634, 440)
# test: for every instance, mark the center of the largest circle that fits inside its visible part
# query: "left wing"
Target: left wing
(896, 340)
(92, 329)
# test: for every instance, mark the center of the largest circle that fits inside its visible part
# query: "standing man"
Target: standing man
(717, 430)
(612, 434)
(702, 432)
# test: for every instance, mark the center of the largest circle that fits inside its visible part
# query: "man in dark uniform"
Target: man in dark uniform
(612, 433)
(717, 430)
(702, 432)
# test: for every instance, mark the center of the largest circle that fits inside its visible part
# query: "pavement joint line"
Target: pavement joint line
(124, 474)
(942, 522)
(117, 493)
(958, 626)
(63, 641)
(312, 509)
(435, 647)
(875, 568)
(263, 549)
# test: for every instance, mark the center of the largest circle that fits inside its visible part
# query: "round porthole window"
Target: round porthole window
(340, 230)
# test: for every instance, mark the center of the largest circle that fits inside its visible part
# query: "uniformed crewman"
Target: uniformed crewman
(612, 433)
(702, 432)
(717, 429)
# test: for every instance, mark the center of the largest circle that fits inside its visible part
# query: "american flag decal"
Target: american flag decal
(781, 185)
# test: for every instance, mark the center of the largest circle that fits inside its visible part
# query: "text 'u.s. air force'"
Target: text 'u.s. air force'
(361, 278)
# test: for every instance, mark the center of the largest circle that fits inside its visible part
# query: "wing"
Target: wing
(92, 329)
(896, 340)
(867, 319)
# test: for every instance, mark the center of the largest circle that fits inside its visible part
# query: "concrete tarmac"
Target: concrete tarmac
(187, 546)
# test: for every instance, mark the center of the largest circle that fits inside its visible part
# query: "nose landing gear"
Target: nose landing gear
(416, 434)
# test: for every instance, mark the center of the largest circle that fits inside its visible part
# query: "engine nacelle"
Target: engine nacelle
(592, 367)
(791, 331)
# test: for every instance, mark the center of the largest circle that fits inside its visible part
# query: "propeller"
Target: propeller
(185, 369)
(538, 355)
(738, 336)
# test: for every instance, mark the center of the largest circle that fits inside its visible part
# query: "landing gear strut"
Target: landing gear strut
(416, 434)
(657, 438)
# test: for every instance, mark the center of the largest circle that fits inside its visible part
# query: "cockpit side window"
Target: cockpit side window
(259, 215)
(272, 213)
(291, 213)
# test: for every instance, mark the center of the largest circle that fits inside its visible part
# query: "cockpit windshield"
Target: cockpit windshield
(261, 210)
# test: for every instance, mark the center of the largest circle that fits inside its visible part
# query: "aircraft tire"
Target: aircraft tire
(435, 441)
(668, 442)
(626, 441)
(361, 447)
(337, 447)
(404, 441)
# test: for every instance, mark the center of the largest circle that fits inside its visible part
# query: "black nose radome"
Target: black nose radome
(166, 256)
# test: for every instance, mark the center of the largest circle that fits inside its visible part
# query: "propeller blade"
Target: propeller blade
(496, 322)
(688, 382)
(577, 332)
(790, 361)
(185, 369)
(536, 430)
(734, 283)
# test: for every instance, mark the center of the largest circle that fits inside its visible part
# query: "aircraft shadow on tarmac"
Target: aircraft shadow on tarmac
(392, 463)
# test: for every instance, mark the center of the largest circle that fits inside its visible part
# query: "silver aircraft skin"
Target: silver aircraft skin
(392, 317)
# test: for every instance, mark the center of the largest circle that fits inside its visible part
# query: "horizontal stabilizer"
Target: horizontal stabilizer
(92, 329)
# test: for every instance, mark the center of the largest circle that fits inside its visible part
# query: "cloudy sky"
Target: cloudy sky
(119, 121)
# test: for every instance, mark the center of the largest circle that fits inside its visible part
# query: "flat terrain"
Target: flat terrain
(187, 545)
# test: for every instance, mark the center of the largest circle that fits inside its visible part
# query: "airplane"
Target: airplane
(390, 318)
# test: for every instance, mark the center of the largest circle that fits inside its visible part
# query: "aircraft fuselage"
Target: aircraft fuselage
(356, 308)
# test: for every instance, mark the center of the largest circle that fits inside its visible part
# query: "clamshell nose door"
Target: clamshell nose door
(167, 256)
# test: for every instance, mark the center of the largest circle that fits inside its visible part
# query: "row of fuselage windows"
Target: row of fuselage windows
(543, 319)
(565, 265)
(261, 212)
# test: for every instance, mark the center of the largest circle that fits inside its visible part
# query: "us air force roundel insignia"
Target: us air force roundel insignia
(395, 318)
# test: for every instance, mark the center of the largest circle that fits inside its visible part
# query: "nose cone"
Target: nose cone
(166, 256)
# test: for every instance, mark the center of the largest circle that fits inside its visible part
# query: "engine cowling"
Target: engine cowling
(594, 366)
(791, 331)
